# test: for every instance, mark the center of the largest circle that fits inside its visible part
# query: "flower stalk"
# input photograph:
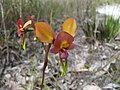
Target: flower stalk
(64, 65)
(45, 63)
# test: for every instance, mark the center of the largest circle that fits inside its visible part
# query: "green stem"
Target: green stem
(45, 64)
(64, 66)
(24, 41)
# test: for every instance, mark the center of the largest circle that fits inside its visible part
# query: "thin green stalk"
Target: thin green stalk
(24, 41)
(45, 63)
(64, 66)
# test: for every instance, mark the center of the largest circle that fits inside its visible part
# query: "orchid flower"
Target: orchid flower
(64, 40)
(62, 43)
(23, 28)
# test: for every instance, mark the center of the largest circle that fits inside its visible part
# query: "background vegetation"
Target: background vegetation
(52, 11)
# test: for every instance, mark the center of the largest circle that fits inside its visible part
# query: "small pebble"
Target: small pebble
(7, 76)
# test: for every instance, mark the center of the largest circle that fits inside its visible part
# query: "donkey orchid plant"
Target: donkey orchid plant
(23, 28)
(61, 43)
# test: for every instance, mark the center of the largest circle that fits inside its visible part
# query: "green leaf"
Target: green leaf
(30, 29)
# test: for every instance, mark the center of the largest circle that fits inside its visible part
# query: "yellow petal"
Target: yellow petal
(44, 32)
(69, 26)
(27, 23)
(64, 44)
